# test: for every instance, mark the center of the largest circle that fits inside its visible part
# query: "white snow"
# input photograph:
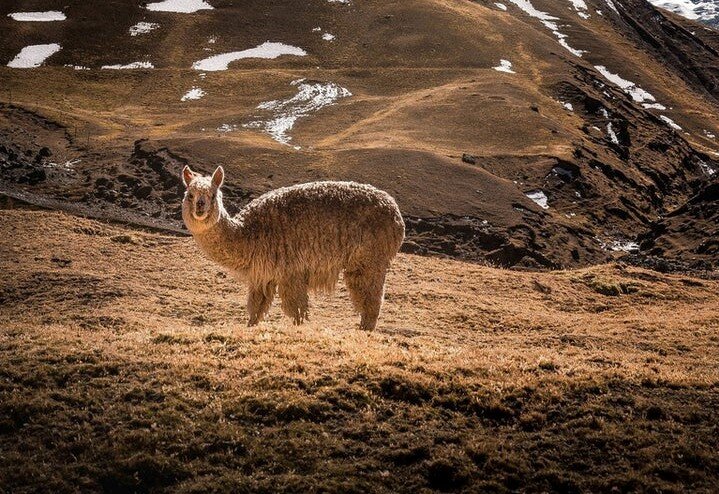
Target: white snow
(538, 197)
(612, 135)
(695, 10)
(568, 106)
(709, 134)
(310, 98)
(133, 65)
(194, 93)
(328, 37)
(671, 123)
(611, 5)
(708, 170)
(77, 67)
(581, 7)
(227, 128)
(181, 6)
(47, 16)
(638, 94)
(143, 28)
(33, 56)
(500, 6)
(265, 50)
(504, 66)
(623, 246)
(654, 106)
(548, 21)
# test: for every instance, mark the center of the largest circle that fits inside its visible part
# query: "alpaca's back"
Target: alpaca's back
(319, 229)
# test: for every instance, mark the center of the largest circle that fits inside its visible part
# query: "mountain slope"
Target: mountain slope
(126, 366)
(465, 148)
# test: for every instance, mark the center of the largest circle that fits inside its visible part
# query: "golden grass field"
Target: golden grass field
(126, 366)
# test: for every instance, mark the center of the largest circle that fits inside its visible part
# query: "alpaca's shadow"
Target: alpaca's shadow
(394, 331)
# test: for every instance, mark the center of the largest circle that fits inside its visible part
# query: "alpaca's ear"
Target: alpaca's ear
(218, 177)
(187, 175)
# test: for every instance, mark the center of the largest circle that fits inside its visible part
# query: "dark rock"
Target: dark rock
(469, 158)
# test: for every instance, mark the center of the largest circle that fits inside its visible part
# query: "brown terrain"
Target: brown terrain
(589, 366)
(110, 143)
(127, 367)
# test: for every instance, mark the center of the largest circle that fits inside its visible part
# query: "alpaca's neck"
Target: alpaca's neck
(224, 242)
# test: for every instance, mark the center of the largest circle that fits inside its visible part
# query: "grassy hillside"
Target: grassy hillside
(125, 365)
(429, 119)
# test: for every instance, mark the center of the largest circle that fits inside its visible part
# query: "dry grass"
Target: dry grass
(126, 366)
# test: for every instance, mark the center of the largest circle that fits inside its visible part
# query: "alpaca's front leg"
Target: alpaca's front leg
(259, 299)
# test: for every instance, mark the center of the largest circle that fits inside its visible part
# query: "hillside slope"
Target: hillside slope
(125, 365)
(603, 122)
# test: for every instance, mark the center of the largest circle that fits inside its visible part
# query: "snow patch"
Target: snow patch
(567, 106)
(612, 135)
(638, 94)
(691, 9)
(654, 106)
(143, 28)
(77, 67)
(181, 6)
(328, 37)
(504, 66)
(265, 50)
(709, 134)
(707, 169)
(548, 21)
(194, 93)
(611, 5)
(500, 6)
(623, 246)
(47, 16)
(310, 98)
(581, 7)
(226, 128)
(33, 56)
(538, 197)
(129, 66)
(671, 123)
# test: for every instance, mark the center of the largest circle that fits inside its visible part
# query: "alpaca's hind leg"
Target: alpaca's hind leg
(295, 302)
(366, 289)
(259, 299)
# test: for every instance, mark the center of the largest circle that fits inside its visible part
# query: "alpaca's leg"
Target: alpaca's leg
(366, 289)
(293, 292)
(259, 299)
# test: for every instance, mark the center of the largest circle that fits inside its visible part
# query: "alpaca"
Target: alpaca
(299, 238)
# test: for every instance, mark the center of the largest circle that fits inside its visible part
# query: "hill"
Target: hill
(530, 134)
(127, 367)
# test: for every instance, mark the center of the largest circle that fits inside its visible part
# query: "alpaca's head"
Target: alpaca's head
(202, 204)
